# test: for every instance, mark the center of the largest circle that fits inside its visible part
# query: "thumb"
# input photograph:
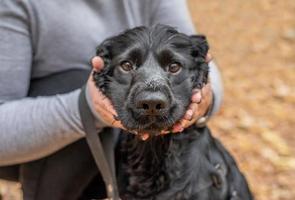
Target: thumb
(97, 63)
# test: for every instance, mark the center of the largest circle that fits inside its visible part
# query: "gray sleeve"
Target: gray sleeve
(30, 128)
(175, 13)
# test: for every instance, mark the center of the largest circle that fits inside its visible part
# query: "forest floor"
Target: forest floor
(253, 43)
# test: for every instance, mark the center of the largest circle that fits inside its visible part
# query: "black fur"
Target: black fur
(188, 166)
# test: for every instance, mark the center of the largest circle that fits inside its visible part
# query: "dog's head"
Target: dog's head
(149, 75)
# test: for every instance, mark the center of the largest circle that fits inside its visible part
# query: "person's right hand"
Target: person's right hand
(100, 103)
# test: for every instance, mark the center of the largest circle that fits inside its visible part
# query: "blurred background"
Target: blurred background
(253, 42)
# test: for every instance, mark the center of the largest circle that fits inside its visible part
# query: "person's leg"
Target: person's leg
(70, 173)
(95, 189)
(10, 173)
(61, 176)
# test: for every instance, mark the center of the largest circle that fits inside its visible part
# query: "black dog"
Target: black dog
(149, 76)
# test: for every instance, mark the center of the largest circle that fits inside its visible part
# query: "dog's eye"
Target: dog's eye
(126, 66)
(174, 67)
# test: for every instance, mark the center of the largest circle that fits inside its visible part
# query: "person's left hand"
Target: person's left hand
(200, 103)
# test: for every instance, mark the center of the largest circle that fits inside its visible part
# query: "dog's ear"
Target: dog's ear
(199, 52)
(200, 45)
(104, 51)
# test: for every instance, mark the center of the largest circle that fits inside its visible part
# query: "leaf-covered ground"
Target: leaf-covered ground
(253, 42)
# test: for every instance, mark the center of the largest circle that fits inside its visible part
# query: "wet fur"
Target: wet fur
(188, 166)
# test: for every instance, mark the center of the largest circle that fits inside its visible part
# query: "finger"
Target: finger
(164, 132)
(177, 127)
(110, 119)
(185, 123)
(201, 108)
(205, 89)
(197, 96)
(188, 114)
(101, 102)
(191, 111)
(144, 136)
(207, 95)
(105, 107)
(97, 63)
(118, 124)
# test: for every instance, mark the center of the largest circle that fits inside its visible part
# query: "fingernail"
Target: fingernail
(188, 115)
(196, 98)
(97, 63)
(177, 128)
(144, 136)
(164, 132)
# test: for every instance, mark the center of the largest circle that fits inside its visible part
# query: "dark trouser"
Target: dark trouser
(10, 173)
(65, 175)
(68, 174)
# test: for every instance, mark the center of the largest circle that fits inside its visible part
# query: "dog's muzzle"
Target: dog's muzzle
(151, 103)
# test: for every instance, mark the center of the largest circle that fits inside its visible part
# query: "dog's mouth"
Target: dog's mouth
(154, 123)
(151, 125)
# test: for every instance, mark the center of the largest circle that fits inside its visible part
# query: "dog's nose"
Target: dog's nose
(152, 103)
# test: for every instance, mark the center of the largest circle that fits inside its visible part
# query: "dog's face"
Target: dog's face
(149, 75)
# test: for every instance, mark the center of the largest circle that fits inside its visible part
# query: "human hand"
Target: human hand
(100, 103)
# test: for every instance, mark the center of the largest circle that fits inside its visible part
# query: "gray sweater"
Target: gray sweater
(41, 37)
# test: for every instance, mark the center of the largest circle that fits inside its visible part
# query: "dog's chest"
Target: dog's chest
(165, 168)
